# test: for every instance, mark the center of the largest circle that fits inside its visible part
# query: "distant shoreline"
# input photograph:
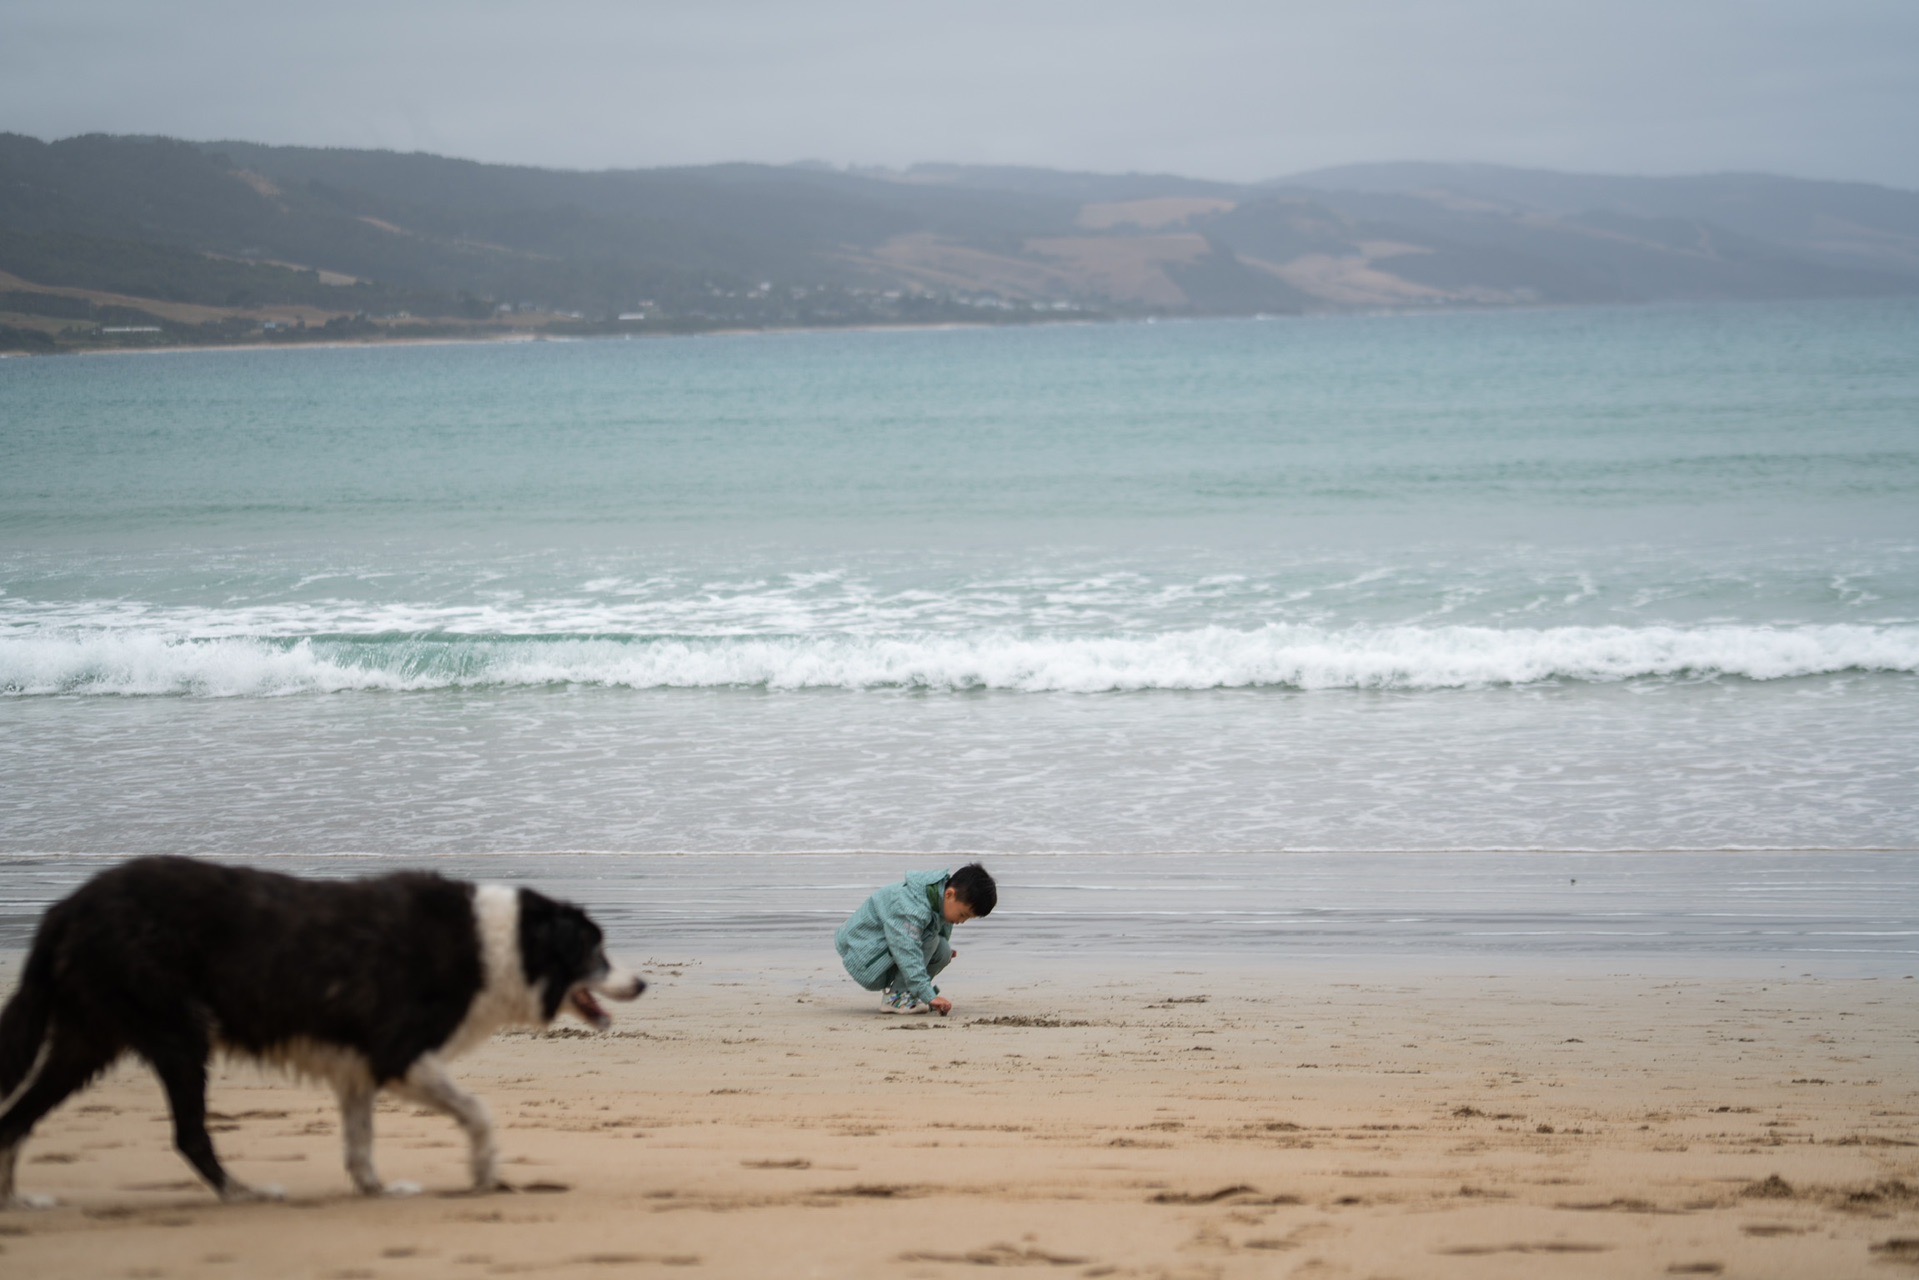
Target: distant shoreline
(517, 338)
(524, 338)
(521, 337)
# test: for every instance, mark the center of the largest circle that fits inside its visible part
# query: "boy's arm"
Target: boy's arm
(905, 938)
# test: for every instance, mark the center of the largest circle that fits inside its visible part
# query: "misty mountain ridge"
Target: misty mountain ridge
(235, 234)
(1854, 224)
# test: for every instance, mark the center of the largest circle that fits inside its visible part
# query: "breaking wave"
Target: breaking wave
(132, 663)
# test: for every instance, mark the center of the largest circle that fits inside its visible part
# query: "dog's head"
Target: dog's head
(565, 960)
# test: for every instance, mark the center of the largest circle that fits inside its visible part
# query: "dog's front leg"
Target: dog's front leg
(428, 1083)
(356, 1131)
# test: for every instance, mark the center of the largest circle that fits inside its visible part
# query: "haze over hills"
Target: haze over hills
(122, 239)
(1846, 224)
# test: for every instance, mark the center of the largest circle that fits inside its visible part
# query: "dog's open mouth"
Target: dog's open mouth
(584, 1004)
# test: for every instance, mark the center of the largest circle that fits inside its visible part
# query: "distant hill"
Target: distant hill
(1845, 224)
(210, 241)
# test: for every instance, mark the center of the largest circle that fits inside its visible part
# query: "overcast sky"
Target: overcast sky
(1210, 88)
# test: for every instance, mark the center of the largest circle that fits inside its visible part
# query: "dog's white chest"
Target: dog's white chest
(504, 999)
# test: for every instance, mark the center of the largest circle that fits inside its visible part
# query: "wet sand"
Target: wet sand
(1146, 1123)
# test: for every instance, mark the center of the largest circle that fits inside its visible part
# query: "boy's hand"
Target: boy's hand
(942, 1005)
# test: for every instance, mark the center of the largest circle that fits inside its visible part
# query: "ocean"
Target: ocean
(1469, 595)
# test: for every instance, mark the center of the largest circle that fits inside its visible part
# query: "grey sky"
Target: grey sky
(1211, 88)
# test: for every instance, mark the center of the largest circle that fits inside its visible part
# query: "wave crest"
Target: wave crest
(1281, 657)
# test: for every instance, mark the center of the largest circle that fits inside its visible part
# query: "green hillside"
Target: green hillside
(213, 240)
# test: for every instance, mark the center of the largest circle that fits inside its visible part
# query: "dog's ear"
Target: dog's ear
(559, 946)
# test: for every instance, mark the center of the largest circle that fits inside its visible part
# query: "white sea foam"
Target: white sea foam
(141, 662)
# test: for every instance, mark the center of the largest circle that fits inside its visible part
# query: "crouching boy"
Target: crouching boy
(902, 936)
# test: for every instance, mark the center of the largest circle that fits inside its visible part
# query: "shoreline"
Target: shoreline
(1659, 914)
(521, 337)
(1038, 320)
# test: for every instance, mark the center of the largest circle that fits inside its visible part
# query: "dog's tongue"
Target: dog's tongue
(588, 1008)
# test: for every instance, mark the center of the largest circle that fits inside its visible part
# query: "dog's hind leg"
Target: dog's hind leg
(9, 1199)
(24, 1045)
(182, 1068)
(25, 1029)
(63, 1066)
(428, 1083)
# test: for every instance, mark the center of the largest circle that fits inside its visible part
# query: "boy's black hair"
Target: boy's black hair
(974, 886)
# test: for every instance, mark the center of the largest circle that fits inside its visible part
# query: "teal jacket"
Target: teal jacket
(901, 927)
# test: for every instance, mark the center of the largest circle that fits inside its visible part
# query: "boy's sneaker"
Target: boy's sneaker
(903, 1002)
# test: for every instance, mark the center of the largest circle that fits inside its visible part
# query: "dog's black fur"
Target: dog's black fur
(365, 983)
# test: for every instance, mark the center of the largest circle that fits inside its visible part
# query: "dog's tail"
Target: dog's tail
(23, 1023)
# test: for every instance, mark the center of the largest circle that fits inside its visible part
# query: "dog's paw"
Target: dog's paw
(401, 1190)
(240, 1193)
(27, 1200)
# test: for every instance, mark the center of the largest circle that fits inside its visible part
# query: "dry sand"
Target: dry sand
(1158, 1122)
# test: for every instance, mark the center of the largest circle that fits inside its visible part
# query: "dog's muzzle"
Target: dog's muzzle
(614, 984)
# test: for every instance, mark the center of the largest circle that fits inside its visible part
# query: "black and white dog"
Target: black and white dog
(362, 984)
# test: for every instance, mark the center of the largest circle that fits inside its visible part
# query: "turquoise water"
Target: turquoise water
(1604, 579)
(1788, 416)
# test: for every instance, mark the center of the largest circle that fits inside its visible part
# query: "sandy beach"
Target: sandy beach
(1343, 1121)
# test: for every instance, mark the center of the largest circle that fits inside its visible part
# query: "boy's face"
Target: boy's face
(955, 910)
